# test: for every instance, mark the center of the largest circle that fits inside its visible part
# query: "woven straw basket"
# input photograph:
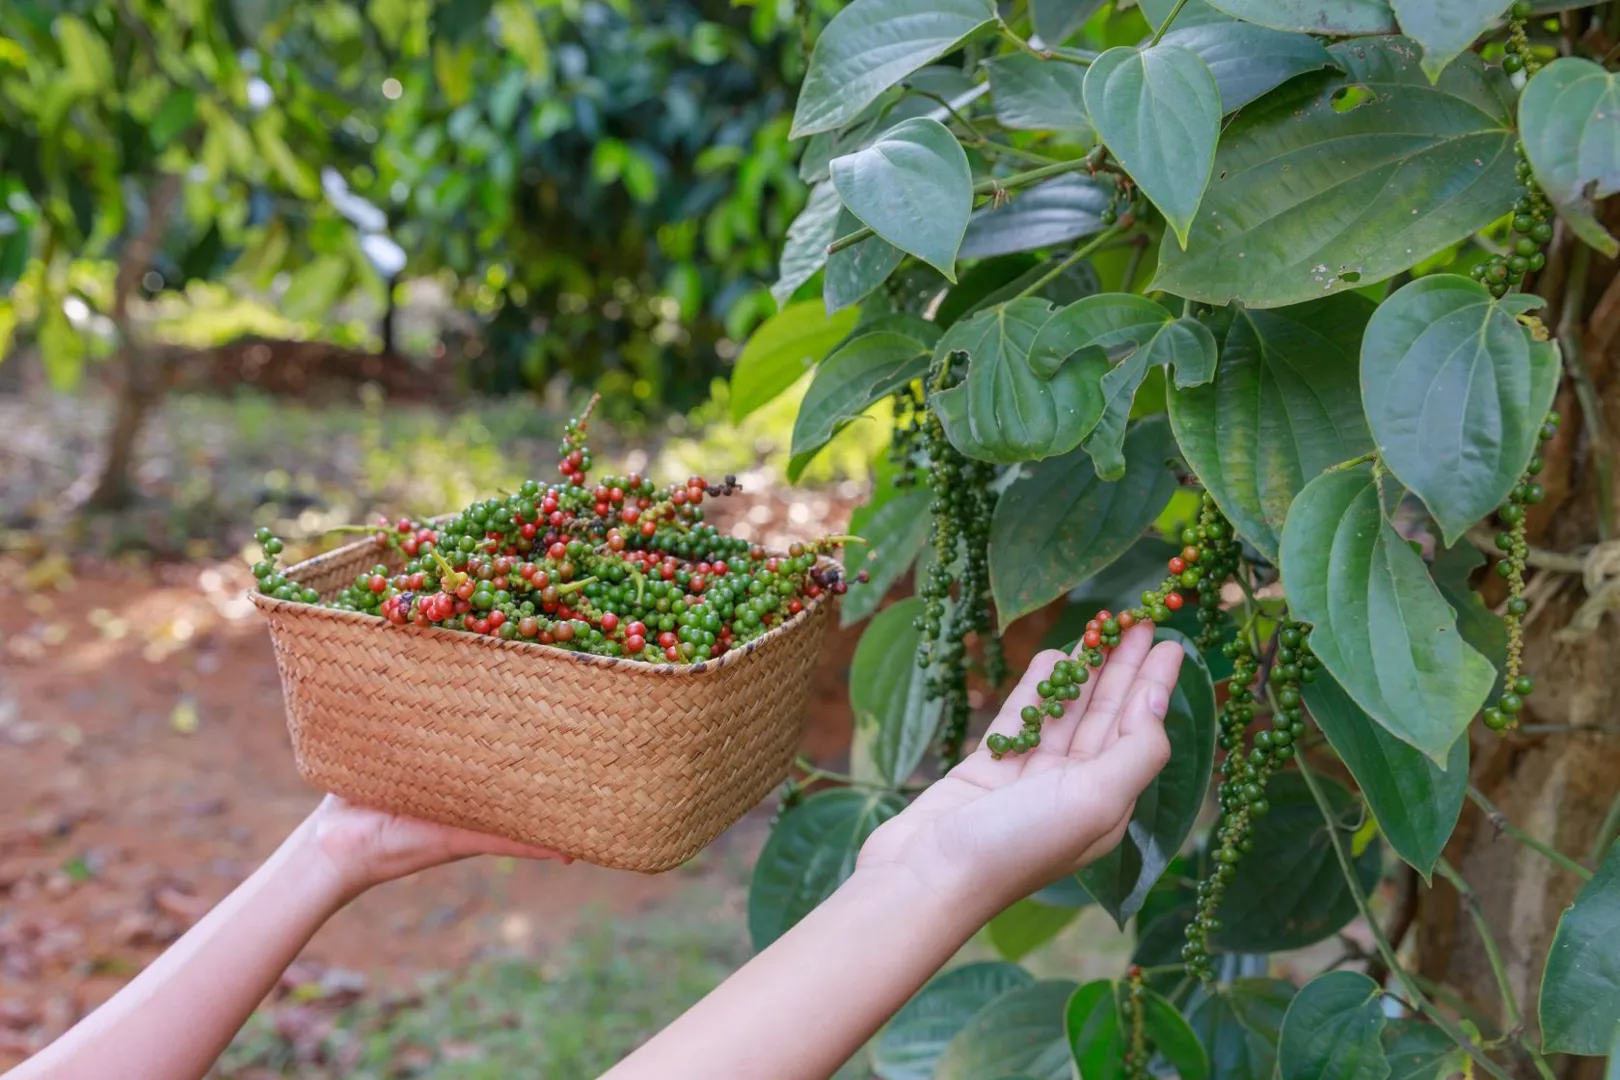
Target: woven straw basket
(615, 762)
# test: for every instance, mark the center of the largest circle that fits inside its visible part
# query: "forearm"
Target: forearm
(182, 1011)
(801, 1008)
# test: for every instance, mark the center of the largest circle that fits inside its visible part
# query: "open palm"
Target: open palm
(1015, 825)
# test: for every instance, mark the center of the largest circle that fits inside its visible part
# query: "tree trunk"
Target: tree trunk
(1557, 780)
(141, 372)
(390, 346)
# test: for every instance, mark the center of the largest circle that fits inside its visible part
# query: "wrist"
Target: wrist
(944, 896)
(309, 868)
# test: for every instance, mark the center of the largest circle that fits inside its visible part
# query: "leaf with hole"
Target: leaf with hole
(1158, 110)
(781, 350)
(1289, 892)
(1047, 215)
(860, 373)
(1379, 623)
(913, 188)
(873, 44)
(805, 250)
(1285, 405)
(1337, 181)
(1058, 523)
(1415, 801)
(1003, 411)
(1168, 807)
(1335, 18)
(1032, 94)
(1247, 60)
(809, 854)
(1334, 1030)
(910, 1045)
(895, 720)
(1580, 986)
(1020, 1032)
(1456, 390)
(1569, 114)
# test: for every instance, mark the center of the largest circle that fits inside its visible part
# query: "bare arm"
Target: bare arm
(182, 1011)
(979, 839)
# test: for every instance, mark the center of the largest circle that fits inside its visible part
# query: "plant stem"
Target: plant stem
(1008, 33)
(987, 187)
(1139, 248)
(575, 586)
(1088, 248)
(1493, 954)
(1413, 991)
(1503, 825)
(1158, 35)
(1353, 462)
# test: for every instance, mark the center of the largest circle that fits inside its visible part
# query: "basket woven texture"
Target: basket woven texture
(615, 762)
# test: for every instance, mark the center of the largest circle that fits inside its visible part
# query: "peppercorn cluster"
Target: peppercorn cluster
(1244, 775)
(1136, 1056)
(621, 568)
(1504, 714)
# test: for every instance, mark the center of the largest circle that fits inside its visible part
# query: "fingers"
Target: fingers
(467, 843)
(1009, 722)
(1132, 760)
(1097, 727)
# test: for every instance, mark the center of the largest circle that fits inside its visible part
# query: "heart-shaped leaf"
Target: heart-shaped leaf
(1335, 182)
(1096, 1037)
(1445, 28)
(873, 44)
(861, 372)
(1032, 94)
(780, 352)
(1379, 623)
(1168, 807)
(1247, 60)
(855, 271)
(1020, 1032)
(805, 249)
(809, 854)
(1289, 892)
(1333, 17)
(1158, 110)
(1333, 1030)
(1240, 1024)
(895, 720)
(1061, 209)
(1058, 523)
(1005, 413)
(912, 186)
(1570, 118)
(910, 1045)
(1456, 391)
(1415, 801)
(1580, 987)
(1285, 404)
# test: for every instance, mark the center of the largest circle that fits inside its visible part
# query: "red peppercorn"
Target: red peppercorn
(610, 622)
(1173, 601)
(1177, 564)
(1092, 639)
(634, 643)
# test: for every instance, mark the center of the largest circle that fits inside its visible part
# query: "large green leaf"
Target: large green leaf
(1333, 1030)
(873, 44)
(1058, 523)
(1020, 1032)
(913, 188)
(1247, 60)
(894, 718)
(893, 529)
(805, 249)
(1167, 808)
(1417, 1050)
(1289, 892)
(860, 373)
(1170, 1034)
(1190, 13)
(1570, 119)
(855, 271)
(1003, 412)
(1311, 196)
(1333, 17)
(1097, 1039)
(1061, 209)
(1055, 20)
(781, 350)
(1456, 391)
(809, 854)
(1380, 624)
(1415, 801)
(1580, 987)
(911, 1043)
(1240, 1024)
(1027, 925)
(1032, 94)
(1445, 28)
(1158, 110)
(1285, 404)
